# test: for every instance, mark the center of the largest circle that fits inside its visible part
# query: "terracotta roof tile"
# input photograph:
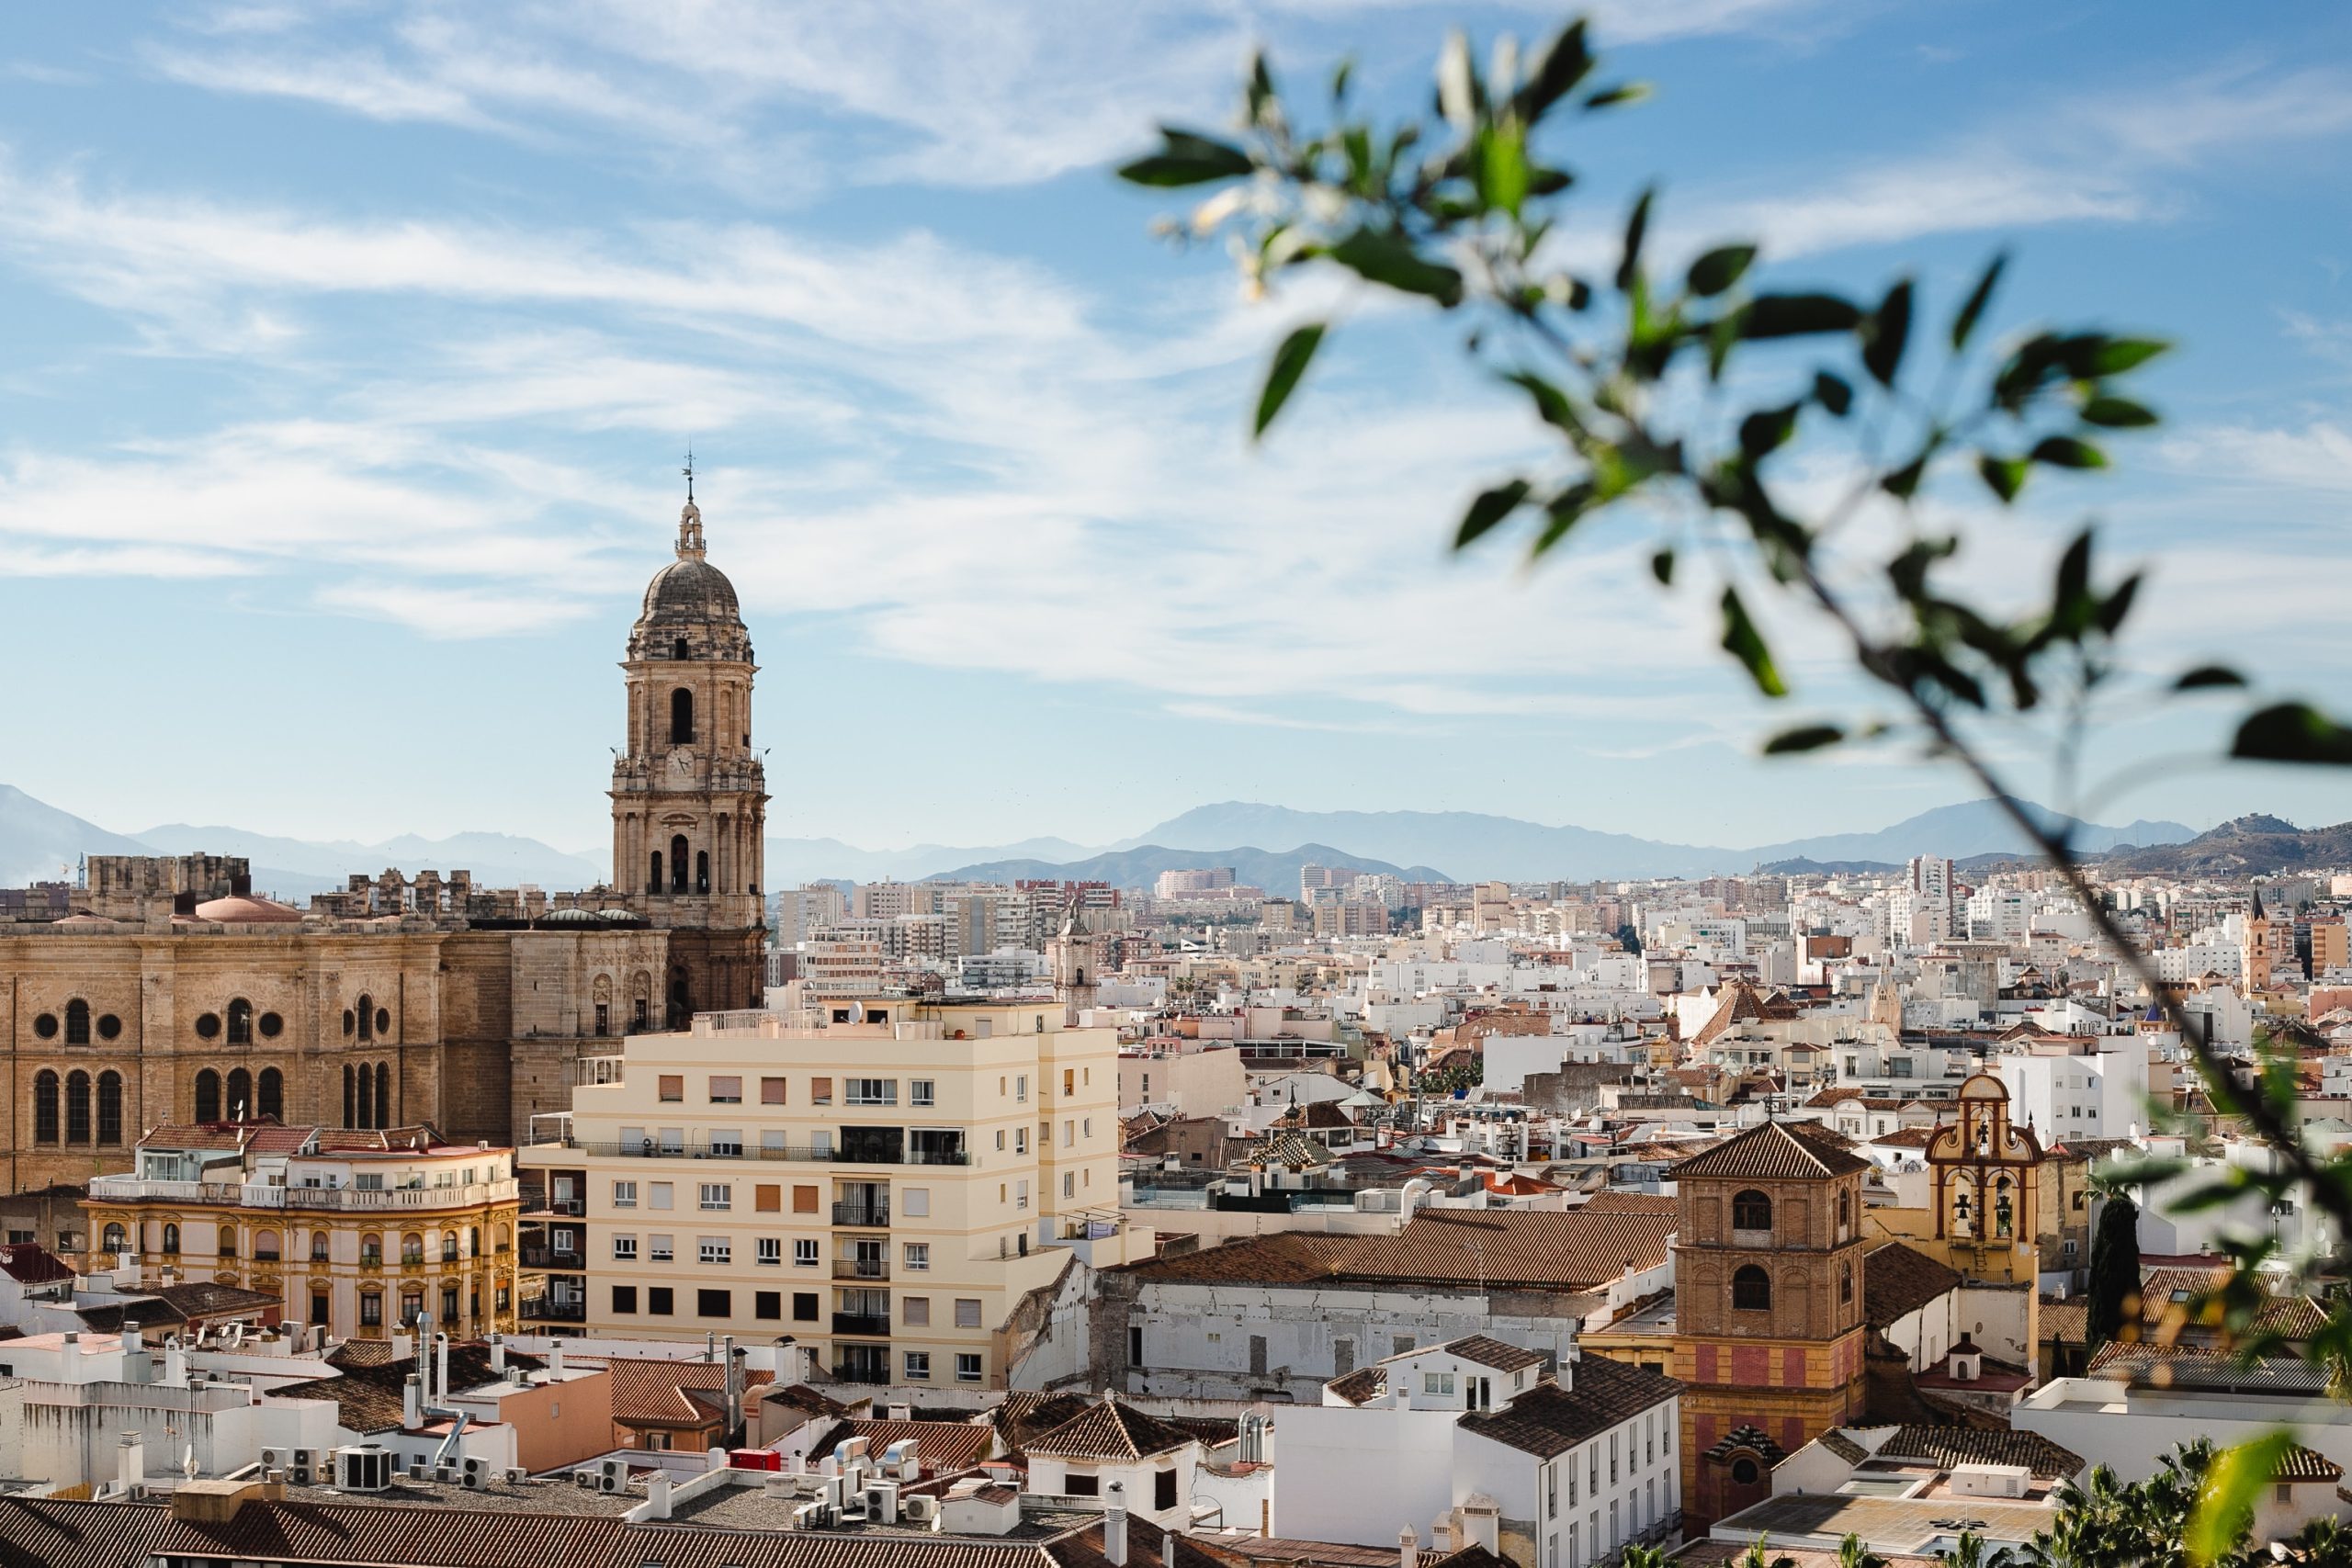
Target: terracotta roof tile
(1109, 1430)
(1549, 1420)
(1897, 1281)
(1773, 1151)
(28, 1263)
(1504, 1248)
(939, 1445)
(1493, 1353)
(1949, 1446)
(685, 1393)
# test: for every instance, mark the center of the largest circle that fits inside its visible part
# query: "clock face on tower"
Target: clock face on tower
(682, 762)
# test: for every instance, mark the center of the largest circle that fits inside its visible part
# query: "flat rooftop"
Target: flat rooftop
(1918, 1526)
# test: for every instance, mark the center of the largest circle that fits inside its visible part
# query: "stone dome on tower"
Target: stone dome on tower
(692, 600)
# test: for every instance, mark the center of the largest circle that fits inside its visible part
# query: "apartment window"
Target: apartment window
(922, 1092)
(915, 1311)
(771, 1091)
(820, 1091)
(659, 1301)
(1019, 1195)
(918, 1256)
(371, 1308)
(968, 1366)
(804, 1306)
(727, 1091)
(918, 1365)
(771, 1249)
(914, 1202)
(1069, 1132)
(671, 1088)
(767, 1199)
(1086, 1126)
(767, 1305)
(1163, 1489)
(1021, 1089)
(717, 1196)
(804, 1200)
(624, 1249)
(659, 1248)
(772, 1138)
(714, 1249)
(804, 1253)
(726, 1141)
(1020, 1139)
(870, 1091)
(624, 1300)
(967, 1313)
(714, 1303)
(624, 1194)
(1069, 1080)
(1438, 1383)
(820, 1144)
(1069, 1184)
(658, 1194)
(1000, 1140)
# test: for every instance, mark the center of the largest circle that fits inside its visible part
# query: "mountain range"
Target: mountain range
(38, 842)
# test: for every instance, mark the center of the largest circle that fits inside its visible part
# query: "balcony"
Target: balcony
(548, 1310)
(861, 1268)
(650, 1149)
(858, 1323)
(551, 1258)
(852, 1372)
(866, 1216)
(261, 1195)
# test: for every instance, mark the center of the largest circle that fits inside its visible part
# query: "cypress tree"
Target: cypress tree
(2115, 1274)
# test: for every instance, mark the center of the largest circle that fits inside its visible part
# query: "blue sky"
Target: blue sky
(351, 350)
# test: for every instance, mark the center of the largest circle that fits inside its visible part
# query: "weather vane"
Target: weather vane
(689, 471)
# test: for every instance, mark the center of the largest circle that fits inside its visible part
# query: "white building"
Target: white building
(2092, 1087)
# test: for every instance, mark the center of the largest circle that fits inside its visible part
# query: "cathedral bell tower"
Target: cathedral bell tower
(689, 794)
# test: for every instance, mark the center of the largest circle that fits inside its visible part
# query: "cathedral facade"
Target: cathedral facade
(174, 994)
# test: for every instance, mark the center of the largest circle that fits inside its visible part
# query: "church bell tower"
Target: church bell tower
(689, 793)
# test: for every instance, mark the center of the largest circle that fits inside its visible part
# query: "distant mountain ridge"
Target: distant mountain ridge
(2240, 847)
(1277, 872)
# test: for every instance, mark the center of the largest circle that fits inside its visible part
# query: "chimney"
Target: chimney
(1408, 1548)
(1114, 1526)
(709, 1346)
(555, 1360)
(412, 1402)
(498, 1354)
(175, 1363)
(441, 1376)
(134, 1465)
(1168, 1537)
(657, 1495)
(734, 1390)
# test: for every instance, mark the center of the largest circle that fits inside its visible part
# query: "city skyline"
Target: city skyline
(356, 358)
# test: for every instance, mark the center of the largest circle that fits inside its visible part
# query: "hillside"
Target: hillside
(1140, 867)
(41, 843)
(2244, 846)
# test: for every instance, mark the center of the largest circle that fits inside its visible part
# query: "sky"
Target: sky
(352, 351)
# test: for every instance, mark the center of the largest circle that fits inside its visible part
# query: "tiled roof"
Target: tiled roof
(1904, 1138)
(1751, 1438)
(368, 1394)
(677, 1393)
(1949, 1446)
(2067, 1322)
(1111, 1430)
(1773, 1151)
(1739, 1002)
(1493, 1353)
(1503, 1249)
(1363, 1383)
(28, 1263)
(1291, 1150)
(2205, 1367)
(1473, 1556)
(1022, 1415)
(1619, 1200)
(2303, 1464)
(939, 1445)
(1844, 1447)
(800, 1396)
(1549, 1420)
(1897, 1281)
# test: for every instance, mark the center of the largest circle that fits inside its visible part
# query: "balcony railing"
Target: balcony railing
(861, 1268)
(547, 1309)
(261, 1195)
(549, 1257)
(850, 1372)
(653, 1149)
(875, 1327)
(871, 1216)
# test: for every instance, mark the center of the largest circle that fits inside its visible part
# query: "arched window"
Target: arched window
(350, 1097)
(367, 1019)
(371, 1249)
(208, 1096)
(228, 1241)
(265, 1245)
(653, 878)
(682, 717)
(1743, 1470)
(383, 1094)
(1751, 1210)
(1846, 1282)
(241, 1022)
(678, 862)
(702, 871)
(449, 1247)
(1844, 1211)
(412, 1249)
(77, 1022)
(77, 1107)
(109, 1108)
(318, 1246)
(271, 1093)
(115, 1239)
(366, 1096)
(45, 1108)
(171, 1241)
(350, 1022)
(1751, 1289)
(240, 1094)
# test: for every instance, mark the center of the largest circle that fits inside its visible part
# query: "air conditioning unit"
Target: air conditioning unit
(612, 1475)
(362, 1467)
(444, 1474)
(416, 1467)
(475, 1474)
(517, 1475)
(584, 1479)
(919, 1510)
(277, 1459)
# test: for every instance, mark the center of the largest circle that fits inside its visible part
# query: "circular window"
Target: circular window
(209, 1026)
(109, 1026)
(271, 1025)
(350, 1022)
(383, 1020)
(46, 1026)
(1743, 1470)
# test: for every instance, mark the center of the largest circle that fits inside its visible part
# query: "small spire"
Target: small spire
(689, 471)
(690, 544)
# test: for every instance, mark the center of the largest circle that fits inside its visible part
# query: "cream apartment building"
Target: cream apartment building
(884, 1180)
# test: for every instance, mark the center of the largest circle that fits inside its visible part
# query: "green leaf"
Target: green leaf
(1490, 508)
(1378, 257)
(1340, 75)
(1978, 297)
(1636, 226)
(1766, 430)
(2114, 355)
(1744, 643)
(1832, 392)
(1623, 93)
(2118, 414)
(1553, 73)
(2118, 604)
(1283, 373)
(2074, 573)
(2293, 732)
(1551, 404)
(2066, 452)
(1187, 159)
(1662, 568)
(1719, 269)
(1903, 482)
(1797, 315)
(2208, 675)
(1886, 331)
(2224, 1509)
(2002, 475)
(1804, 738)
(1502, 167)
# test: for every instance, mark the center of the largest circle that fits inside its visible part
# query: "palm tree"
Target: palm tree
(1969, 1551)
(1852, 1554)
(1643, 1557)
(1759, 1556)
